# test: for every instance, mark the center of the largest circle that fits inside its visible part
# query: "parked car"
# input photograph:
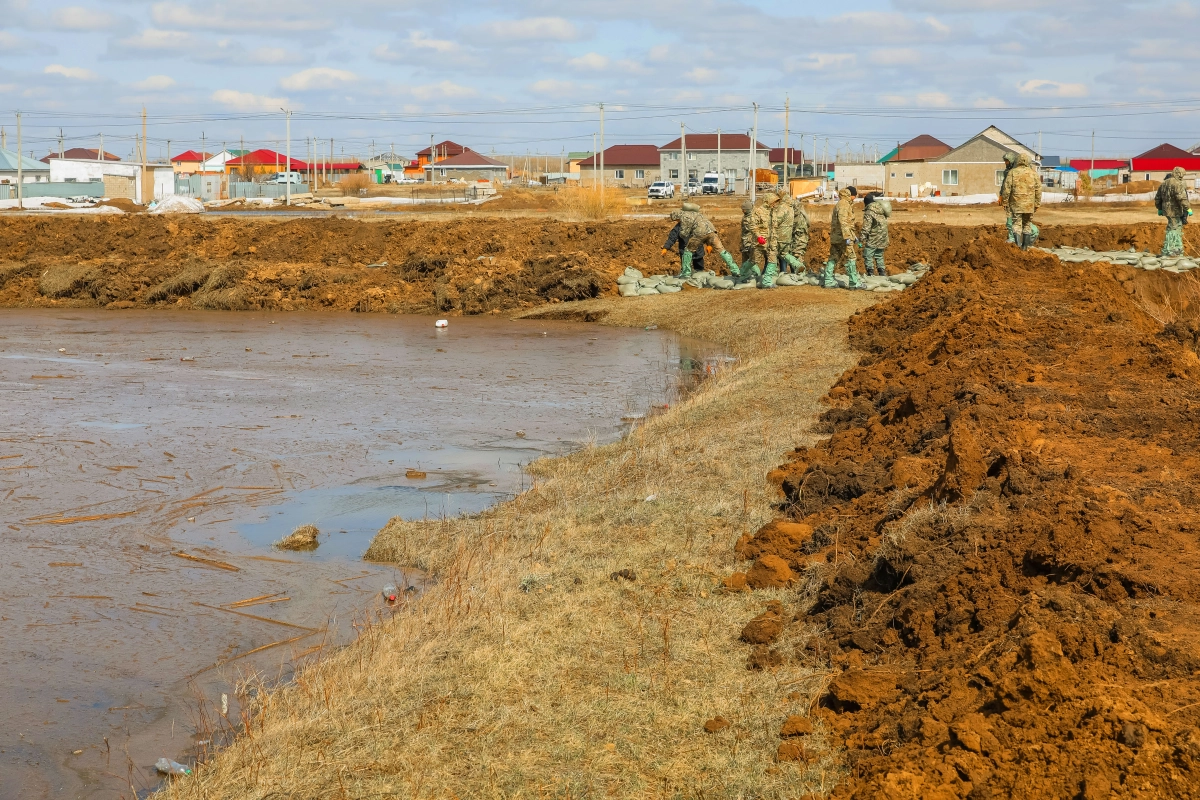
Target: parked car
(693, 187)
(714, 183)
(286, 177)
(660, 189)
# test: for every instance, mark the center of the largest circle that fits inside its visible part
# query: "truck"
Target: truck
(714, 183)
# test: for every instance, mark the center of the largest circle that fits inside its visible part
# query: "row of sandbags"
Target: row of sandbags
(1129, 258)
(634, 284)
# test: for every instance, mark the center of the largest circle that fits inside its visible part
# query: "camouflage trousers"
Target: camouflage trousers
(841, 253)
(1022, 225)
(1173, 241)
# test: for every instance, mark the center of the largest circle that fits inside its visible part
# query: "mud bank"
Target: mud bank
(999, 539)
(461, 266)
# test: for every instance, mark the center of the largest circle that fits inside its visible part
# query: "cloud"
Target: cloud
(895, 56)
(245, 101)
(74, 73)
(155, 83)
(552, 87)
(79, 18)
(817, 62)
(316, 78)
(590, 61)
(936, 99)
(12, 44)
(702, 75)
(990, 102)
(252, 17)
(1044, 88)
(156, 40)
(445, 90)
(276, 55)
(423, 41)
(533, 29)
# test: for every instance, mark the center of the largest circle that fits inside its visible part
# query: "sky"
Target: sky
(527, 76)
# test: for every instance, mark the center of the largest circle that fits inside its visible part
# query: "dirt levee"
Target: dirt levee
(459, 266)
(1001, 539)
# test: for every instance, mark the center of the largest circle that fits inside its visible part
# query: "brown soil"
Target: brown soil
(1133, 187)
(460, 266)
(1000, 537)
(126, 205)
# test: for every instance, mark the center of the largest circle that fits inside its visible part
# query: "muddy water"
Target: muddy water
(148, 461)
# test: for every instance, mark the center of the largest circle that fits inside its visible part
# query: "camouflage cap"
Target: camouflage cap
(1178, 172)
(747, 207)
(1010, 158)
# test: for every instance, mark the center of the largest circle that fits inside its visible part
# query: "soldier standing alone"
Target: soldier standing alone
(1022, 195)
(1171, 200)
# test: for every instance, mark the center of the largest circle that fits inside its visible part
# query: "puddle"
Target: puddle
(148, 460)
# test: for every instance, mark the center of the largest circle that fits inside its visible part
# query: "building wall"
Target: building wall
(858, 175)
(588, 175)
(973, 177)
(478, 174)
(65, 169)
(27, 176)
(120, 186)
(734, 164)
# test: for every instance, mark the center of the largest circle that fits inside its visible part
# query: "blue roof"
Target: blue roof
(8, 162)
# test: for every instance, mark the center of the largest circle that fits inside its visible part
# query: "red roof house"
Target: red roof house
(624, 155)
(268, 160)
(708, 141)
(922, 148)
(794, 156)
(1085, 164)
(81, 154)
(1164, 158)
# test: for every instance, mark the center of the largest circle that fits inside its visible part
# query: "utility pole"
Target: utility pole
(683, 180)
(787, 161)
(1093, 166)
(145, 165)
(595, 162)
(752, 173)
(100, 152)
(61, 152)
(288, 191)
(20, 171)
(721, 175)
(602, 157)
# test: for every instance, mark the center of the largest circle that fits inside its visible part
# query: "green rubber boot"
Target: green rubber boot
(827, 281)
(769, 276)
(685, 270)
(852, 274)
(793, 263)
(1012, 237)
(727, 257)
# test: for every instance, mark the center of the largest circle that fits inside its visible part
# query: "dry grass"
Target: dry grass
(185, 282)
(352, 184)
(585, 202)
(66, 280)
(303, 538)
(526, 671)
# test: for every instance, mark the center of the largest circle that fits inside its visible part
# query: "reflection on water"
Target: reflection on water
(148, 461)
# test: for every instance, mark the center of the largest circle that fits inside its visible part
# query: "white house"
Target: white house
(121, 179)
(32, 171)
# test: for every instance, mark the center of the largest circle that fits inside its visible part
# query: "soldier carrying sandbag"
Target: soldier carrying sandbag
(697, 231)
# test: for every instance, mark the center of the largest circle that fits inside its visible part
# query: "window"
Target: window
(673, 173)
(893, 174)
(950, 177)
(908, 174)
(691, 156)
(691, 174)
(619, 174)
(443, 172)
(639, 173)
(999, 177)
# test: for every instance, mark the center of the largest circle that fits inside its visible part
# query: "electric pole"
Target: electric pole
(753, 156)
(787, 161)
(288, 191)
(683, 183)
(602, 158)
(20, 164)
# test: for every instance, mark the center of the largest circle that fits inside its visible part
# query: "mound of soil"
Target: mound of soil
(1001, 539)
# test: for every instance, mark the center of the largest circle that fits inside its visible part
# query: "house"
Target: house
(795, 159)
(386, 167)
(724, 153)
(79, 154)
(574, 159)
(438, 152)
(258, 163)
(189, 162)
(628, 165)
(1155, 164)
(466, 166)
(975, 167)
(922, 148)
(217, 162)
(31, 171)
(121, 179)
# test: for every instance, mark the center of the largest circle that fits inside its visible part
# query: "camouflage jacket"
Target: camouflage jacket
(842, 224)
(1171, 198)
(1022, 190)
(748, 231)
(799, 228)
(875, 223)
(773, 223)
(694, 225)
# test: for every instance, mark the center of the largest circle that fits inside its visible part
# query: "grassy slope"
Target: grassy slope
(582, 685)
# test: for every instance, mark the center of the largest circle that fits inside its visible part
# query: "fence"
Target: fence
(8, 191)
(272, 190)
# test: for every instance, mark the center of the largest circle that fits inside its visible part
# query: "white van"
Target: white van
(287, 177)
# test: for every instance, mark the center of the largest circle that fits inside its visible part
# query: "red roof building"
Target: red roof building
(270, 161)
(1164, 158)
(922, 148)
(625, 155)
(191, 156)
(80, 154)
(1085, 164)
(466, 166)
(776, 155)
(446, 149)
(708, 141)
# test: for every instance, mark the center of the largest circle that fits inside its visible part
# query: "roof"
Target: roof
(264, 158)
(191, 155)
(468, 159)
(795, 156)
(1051, 162)
(627, 155)
(922, 148)
(1082, 164)
(81, 154)
(708, 141)
(1164, 158)
(8, 162)
(1165, 151)
(448, 147)
(578, 155)
(995, 136)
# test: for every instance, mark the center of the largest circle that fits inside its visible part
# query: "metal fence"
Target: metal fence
(272, 190)
(8, 191)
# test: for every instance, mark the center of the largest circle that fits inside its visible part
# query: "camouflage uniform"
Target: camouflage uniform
(1010, 161)
(748, 265)
(793, 254)
(771, 222)
(1171, 200)
(875, 233)
(1022, 194)
(697, 231)
(842, 239)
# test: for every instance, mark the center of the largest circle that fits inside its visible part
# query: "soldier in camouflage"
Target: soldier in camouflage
(1022, 195)
(697, 232)
(1171, 200)
(842, 239)
(771, 224)
(1010, 161)
(794, 253)
(876, 211)
(748, 266)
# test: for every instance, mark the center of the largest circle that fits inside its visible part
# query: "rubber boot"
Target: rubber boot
(827, 281)
(852, 275)
(1027, 241)
(733, 268)
(794, 265)
(1012, 237)
(768, 278)
(685, 270)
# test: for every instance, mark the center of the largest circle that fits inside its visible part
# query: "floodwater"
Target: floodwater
(149, 460)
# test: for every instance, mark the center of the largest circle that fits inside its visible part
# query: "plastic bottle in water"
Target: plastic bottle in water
(168, 767)
(391, 594)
